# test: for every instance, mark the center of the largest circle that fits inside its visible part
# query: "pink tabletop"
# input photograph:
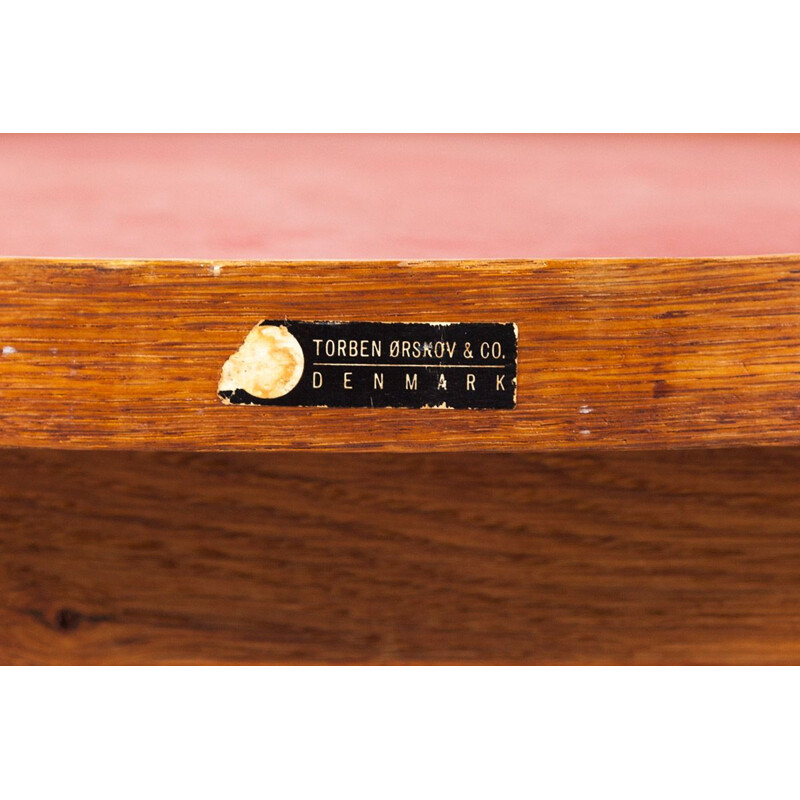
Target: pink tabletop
(398, 196)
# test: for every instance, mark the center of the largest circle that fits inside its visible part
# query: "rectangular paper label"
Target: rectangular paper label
(374, 365)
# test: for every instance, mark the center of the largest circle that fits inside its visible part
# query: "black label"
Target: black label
(374, 365)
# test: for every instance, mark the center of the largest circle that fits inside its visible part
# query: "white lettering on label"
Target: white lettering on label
(500, 386)
(352, 348)
(415, 349)
(377, 383)
(442, 382)
(470, 382)
(411, 383)
(493, 349)
(346, 380)
(316, 380)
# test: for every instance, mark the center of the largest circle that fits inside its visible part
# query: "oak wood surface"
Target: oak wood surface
(612, 353)
(570, 557)
(633, 557)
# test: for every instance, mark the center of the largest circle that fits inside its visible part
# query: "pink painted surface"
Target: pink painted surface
(396, 196)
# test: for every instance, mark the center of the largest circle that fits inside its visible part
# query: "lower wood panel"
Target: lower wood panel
(669, 557)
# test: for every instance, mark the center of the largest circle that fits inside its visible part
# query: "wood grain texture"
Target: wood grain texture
(612, 353)
(668, 557)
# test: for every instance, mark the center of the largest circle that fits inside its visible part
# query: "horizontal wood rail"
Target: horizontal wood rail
(612, 353)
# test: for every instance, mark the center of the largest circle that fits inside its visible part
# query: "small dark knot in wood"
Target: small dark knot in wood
(660, 389)
(67, 619)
